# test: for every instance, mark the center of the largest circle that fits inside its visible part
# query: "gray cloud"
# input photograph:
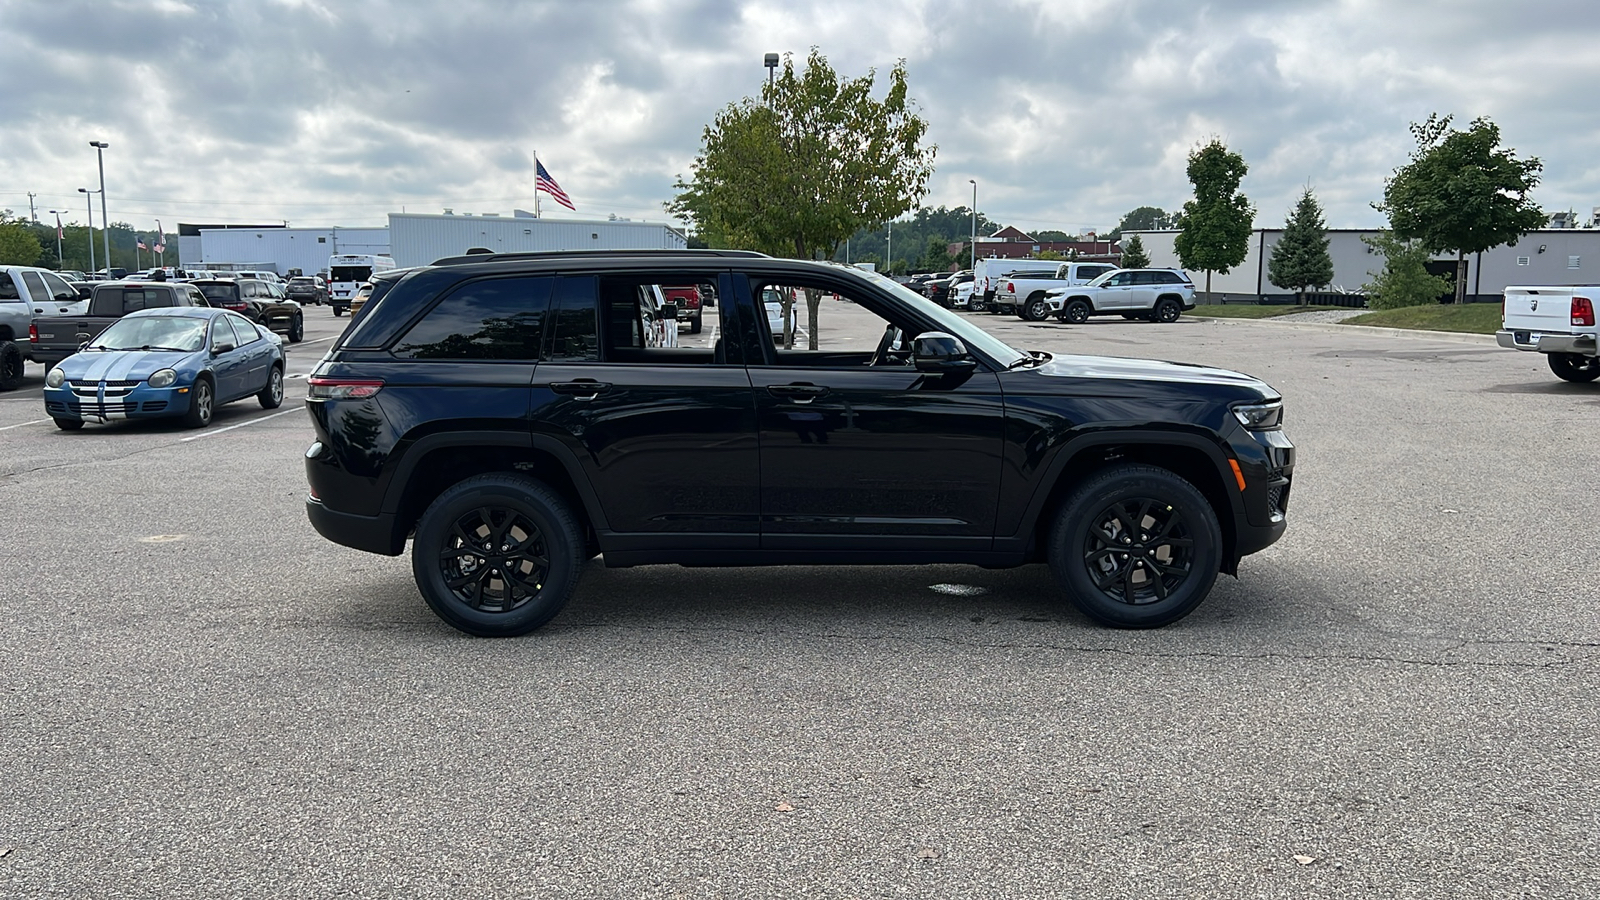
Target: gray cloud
(1067, 115)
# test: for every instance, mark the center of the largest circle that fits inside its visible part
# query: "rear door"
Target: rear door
(662, 424)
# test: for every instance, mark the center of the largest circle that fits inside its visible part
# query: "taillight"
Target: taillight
(322, 388)
(33, 333)
(1011, 287)
(1582, 311)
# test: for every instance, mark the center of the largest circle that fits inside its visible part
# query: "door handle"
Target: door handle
(796, 393)
(582, 389)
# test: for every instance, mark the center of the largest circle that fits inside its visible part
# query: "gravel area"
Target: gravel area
(1320, 316)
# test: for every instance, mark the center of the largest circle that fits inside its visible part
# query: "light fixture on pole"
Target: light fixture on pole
(105, 221)
(973, 247)
(771, 62)
(57, 213)
(88, 202)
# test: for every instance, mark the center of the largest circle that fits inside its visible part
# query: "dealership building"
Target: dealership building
(1550, 256)
(412, 239)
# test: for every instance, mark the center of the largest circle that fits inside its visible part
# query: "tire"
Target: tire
(202, 403)
(467, 587)
(1167, 310)
(696, 323)
(12, 366)
(271, 396)
(69, 424)
(297, 330)
(1099, 564)
(337, 312)
(1574, 367)
(1076, 312)
(1035, 309)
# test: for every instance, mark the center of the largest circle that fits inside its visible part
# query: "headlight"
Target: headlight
(56, 378)
(163, 378)
(1260, 416)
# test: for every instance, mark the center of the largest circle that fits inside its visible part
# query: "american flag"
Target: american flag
(58, 226)
(547, 184)
(140, 244)
(161, 238)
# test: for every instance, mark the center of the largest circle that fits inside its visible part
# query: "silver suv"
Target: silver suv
(1156, 295)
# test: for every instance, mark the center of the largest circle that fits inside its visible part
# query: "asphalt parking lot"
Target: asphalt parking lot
(202, 697)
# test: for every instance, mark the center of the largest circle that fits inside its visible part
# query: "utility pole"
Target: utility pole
(32, 215)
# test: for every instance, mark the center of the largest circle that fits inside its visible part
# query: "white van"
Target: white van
(987, 273)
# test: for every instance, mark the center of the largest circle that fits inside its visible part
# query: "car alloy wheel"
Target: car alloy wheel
(1037, 310)
(200, 404)
(271, 396)
(1168, 311)
(494, 559)
(1077, 312)
(1138, 550)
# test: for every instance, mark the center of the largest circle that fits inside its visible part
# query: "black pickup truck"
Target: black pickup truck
(54, 338)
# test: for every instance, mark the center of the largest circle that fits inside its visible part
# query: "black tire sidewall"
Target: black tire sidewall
(12, 366)
(1069, 315)
(1162, 308)
(1574, 368)
(564, 548)
(192, 417)
(1083, 505)
(265, 397)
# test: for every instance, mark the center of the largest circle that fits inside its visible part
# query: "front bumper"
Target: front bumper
(1546, 341)
(101, 402)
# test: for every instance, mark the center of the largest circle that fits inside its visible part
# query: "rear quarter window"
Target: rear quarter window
(484, 319)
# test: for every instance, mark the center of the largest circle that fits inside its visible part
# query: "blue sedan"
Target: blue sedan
(177, 361)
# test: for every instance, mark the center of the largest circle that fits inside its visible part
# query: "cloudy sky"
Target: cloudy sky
(1068, 114)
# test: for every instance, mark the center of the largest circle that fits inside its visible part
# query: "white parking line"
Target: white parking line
(313, 341)
(20, 424)
(241, 425)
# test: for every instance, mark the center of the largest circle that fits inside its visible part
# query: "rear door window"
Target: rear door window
(36, 288)
(487, 319)
(575, 336)
(8, 288)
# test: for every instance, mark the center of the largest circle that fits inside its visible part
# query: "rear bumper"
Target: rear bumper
(1547, 342)
(374, 534)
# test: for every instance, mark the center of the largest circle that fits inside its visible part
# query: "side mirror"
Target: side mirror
(221, 347)
(936, 352)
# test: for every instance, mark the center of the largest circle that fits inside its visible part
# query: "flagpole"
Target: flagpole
(536, 184)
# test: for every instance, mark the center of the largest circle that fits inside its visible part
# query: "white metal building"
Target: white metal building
(1553, 256)
(282, 249)
(419, 239)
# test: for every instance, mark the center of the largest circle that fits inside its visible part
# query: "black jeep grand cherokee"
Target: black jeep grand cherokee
(517, 414)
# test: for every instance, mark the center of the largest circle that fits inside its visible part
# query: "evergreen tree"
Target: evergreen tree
(1133, 255)
(1300, 259)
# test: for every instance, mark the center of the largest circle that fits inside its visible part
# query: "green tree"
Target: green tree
(1300, 259)
(18, 247)
(815, 160)
(1404, 280)
(1461, 193)
(1133, 255)
(1050, 236)
(1215, 225)
(935, 256)
(1142, 218)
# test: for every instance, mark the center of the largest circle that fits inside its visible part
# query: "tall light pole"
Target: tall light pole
(105, 222)
(973, 255)
(88, 202)
(771, 62)
(57, 213)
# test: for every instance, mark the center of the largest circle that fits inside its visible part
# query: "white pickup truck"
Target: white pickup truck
(1024, 292)
(1557, 321)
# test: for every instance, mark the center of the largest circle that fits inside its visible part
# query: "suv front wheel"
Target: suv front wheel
(1136, 547)
(497, 555)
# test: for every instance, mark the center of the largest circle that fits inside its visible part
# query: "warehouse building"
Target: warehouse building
(419, 239)
(273, 248)
(1552, 256)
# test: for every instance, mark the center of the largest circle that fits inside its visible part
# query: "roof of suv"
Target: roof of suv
(592, 254)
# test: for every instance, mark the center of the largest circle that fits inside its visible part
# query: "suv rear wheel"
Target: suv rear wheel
(497, 555)
(1136, 547)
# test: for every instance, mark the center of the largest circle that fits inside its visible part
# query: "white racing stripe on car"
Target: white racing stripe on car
(241, 425)
(20, 424)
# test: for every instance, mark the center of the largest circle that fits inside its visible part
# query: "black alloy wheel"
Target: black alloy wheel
(1136, 547)
(497, 555)
(1076, 312)
(1167, 311)
(1574, 367)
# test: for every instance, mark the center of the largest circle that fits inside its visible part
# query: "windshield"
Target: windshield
(970, 334)
(185, 333)
(1103, 278)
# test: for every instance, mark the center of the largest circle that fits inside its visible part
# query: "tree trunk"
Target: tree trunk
(1461, 276)
(788, 318)
(813, 300)
(1208, 285)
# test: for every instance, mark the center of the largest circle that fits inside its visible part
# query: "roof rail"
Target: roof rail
(590, 254)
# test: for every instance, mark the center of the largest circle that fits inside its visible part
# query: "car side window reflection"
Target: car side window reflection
(488, 319)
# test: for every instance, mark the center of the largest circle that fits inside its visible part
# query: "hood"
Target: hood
(1130, 369)
(120, 365)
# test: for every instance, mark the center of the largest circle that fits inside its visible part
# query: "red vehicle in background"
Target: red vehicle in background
(688, 300)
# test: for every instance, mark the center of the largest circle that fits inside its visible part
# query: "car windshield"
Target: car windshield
(186, 333)
(970, 334)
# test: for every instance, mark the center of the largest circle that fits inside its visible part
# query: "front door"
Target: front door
(661, 419)
(859, 449)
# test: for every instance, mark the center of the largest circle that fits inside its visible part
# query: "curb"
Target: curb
(1413, 333)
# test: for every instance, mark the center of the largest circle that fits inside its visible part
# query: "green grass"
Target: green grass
(1470, 318)
(1253, 310)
